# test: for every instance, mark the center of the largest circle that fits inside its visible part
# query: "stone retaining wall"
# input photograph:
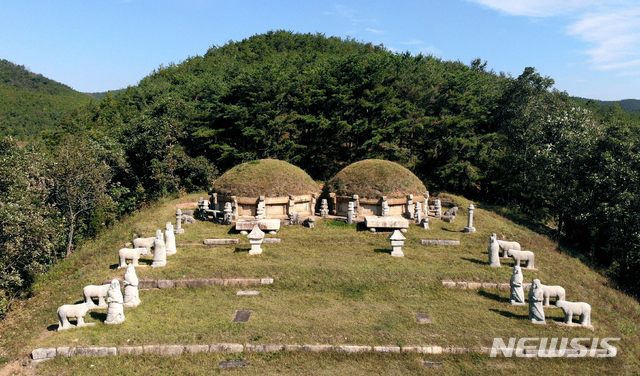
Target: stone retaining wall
(485, 285)
(439, 242)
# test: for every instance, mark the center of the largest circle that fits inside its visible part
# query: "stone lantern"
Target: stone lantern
(397, 241)
(256, 236)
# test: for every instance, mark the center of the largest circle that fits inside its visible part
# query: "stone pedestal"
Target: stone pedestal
(397, 241)
(256, 236)
(179, 229)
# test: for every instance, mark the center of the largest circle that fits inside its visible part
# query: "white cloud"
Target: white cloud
(612, 27)
(413, 42)
(374, 31)
(431, 50)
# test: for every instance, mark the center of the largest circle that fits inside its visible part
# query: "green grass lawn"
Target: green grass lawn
(334, 284)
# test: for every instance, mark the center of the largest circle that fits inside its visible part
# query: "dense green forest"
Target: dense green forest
(322, 103)
(31, 103)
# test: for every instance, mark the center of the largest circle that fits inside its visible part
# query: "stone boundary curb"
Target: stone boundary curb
(439, 242)
(167, 283)
(477, 285)
(45, 353)
(237, 241)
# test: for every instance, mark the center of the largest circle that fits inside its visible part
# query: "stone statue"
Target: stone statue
(576, 309)
(144, 243)
(324, 208)
(351, 212)
(505, 246)
(494, 251)
(437, 208)
(517, 292)
(452, 211)
(132, 254)
(170, 239)
(527, 256)
(386, 211)
(425, 223)
(256, 236)
(261, 209)
(409, 208)
(160, 251)
(536, 296)
(552, 292)
(77, 311)
(95, 291)
(179, 229)
(188, 220)
(228, 213)
(115, 311)
(417, 213)
(131, 296)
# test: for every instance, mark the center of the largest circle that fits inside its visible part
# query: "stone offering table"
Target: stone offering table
(270, 226)
(375, 223)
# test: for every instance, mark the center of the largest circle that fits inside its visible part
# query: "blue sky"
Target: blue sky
(591, 48)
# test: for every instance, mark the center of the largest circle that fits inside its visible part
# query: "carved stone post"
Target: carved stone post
(470, 228)
(179, 229)
(350, 212)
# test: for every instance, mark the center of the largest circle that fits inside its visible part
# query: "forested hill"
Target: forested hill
(628, 105)
(31, 103)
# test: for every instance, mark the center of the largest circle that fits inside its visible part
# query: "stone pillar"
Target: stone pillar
(470, 228)
(170, 239)
(228, 213)
(214, 201)
(351, 213)
(261, 209)
(386, 212)
(417, 213)
(291, 205)
(256, 236)
(314, 202)
(397, 241)
(334, 203)
(409, 206)
(425, 208)
(179, 229)
(356, 206)
(438, 208)
(324, 208)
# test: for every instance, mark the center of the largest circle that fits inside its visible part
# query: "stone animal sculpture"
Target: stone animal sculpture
(188, 220)
(519, 256)
(494, 251)
(505, 246)
(576, 309)
(77, 311)
(552, 292)
(95, 291)
(452, 211)
(132, 254)
(143, 243)
(536, 297)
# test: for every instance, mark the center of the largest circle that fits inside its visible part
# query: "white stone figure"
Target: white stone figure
(397, 241)
(115, 312)
(536, 296)
(324, 208)
(261, 209)
(351, 212)
(228, 214)
(576, 309)
(417, 213)
(517, 292)
(170, 240)
(160, 251)
(179, 229)
(494, 251)
(132, 254)
(425, 223)
(294, 218)
(95, 291)
(131, 294)
(144, 243)
(409, 206)
(386, 211)
(256, 236)
(425, 208)
(470, 228)
(452, 212)
(519, 256)
(188, 220)
(77, 311)
(505, 246)
(438, 208)
(552, 292)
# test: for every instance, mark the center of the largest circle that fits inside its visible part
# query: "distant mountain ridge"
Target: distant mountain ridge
(628, 105)
(102, 94)
(31, 103)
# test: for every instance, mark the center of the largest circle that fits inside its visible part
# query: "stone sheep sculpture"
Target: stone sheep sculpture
(552, 292)
(144, 243)
(77, 311)
(95, 291)
(505, 246)
(576, 309)
(132, 254)
(188, 220)
(527, 256)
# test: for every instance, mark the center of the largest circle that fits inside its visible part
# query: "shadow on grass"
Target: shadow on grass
(114, 266)
(98, 316)
(53, 328)
(450, 230)
(475, 261)
(238, 250)
(492, 296)
(147, 262)
(383, 250)
(508, 314)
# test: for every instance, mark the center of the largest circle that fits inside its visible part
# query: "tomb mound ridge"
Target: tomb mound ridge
(374, 178)
(265, 177)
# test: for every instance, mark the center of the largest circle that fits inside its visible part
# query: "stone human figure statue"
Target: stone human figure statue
(517, 292)
(131, 296)
(324, 208)
(170, 240)
(536, 298)
(159, 251)
(438, 208)
(494, 251)
(417, 213)
(228, 214)
(261, 208)
(386, 212)
(409, 208)
(115, 311)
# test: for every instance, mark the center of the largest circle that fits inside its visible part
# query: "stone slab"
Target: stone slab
(168, 350)
(263, 348)
(439, 242)
(165, 284)
(422, 318)
(242, 316)
(474, 285)
(195, 349)
(292, 347)
(461, 285)
(271, 240)
(130, 350)
(93, 351)
(317, 348)
(247, 293)
(490, 285)
(387, 349)
(232, 363)
(353, 349)
(372, 221)
(43, 353)
(263, 224)
(220, 241)
(431, 364)
(226, 348)
(449, 284)
(147, 284)
(266, 281)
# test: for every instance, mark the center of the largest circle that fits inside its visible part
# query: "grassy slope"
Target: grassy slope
(332, 285)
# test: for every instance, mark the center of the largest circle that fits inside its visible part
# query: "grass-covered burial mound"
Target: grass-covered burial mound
(374, 178)
(265, 177)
